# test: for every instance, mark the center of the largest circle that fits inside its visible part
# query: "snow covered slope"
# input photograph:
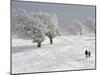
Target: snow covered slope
(67, 53)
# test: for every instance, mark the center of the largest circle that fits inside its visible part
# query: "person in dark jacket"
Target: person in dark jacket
(86, 53)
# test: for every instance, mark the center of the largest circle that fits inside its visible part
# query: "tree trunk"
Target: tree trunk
(51, 41)
(39, 44)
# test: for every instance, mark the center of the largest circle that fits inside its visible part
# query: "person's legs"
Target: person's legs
(86, 56)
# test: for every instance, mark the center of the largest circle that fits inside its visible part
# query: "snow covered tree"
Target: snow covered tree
(29, 26)
(75, 27)
(83, 27)
(89, 24)
(52, 27)
(36, 34)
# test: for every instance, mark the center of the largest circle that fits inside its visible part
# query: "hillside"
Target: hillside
(67, 53)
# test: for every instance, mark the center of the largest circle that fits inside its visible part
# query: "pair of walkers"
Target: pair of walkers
(87, 53)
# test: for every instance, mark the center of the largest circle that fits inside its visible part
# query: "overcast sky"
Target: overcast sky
(66, 12)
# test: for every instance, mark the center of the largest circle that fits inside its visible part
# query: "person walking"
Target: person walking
(86, 53)
(89, 54)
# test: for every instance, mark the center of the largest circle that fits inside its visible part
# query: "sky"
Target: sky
(66, 12)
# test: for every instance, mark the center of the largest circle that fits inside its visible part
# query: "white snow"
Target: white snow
(67, 53)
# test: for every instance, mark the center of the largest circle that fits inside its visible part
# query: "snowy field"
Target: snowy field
(67, 53)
